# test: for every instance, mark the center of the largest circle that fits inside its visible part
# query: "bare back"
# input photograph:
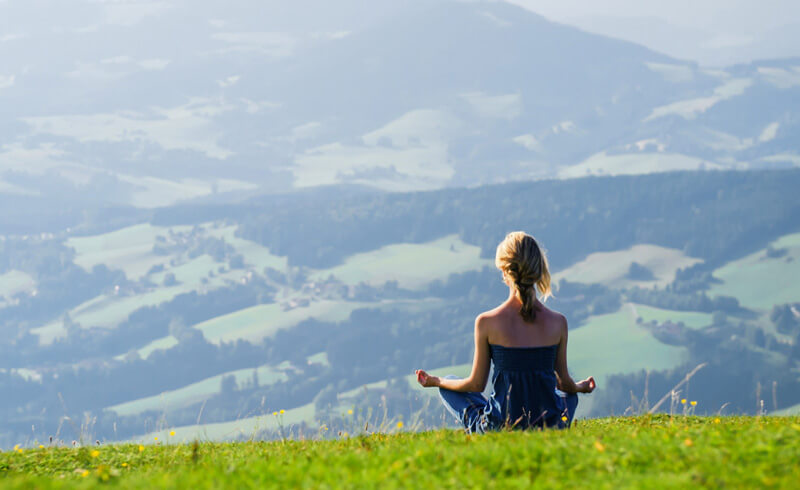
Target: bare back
(506, 327)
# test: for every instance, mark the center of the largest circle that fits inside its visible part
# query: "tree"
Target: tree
(227, 385)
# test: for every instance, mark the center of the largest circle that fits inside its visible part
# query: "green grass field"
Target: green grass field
(14, 282)
(411, 265)
(197, 392)
(691, 319)
(255, 323)
(128, 249)
(642, 452)
(246, 427)
(611, 268)
(759, 281)
(635, 164)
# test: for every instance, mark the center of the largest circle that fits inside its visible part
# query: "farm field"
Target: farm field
(245, 427)
(635, 163)
(642, 452)
(614, 343)
(691, 319)
(199, 391)
(128, 249)
(611, 268)
(255, 323)
(412, 265)
(14, 282)
(761, 280)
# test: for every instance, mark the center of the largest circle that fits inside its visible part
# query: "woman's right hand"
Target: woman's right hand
(587, 385)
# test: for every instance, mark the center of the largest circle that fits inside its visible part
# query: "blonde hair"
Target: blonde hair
(525, 264)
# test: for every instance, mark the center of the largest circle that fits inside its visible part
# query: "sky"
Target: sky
(711, 32)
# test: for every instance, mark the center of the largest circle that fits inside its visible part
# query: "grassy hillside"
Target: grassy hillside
(764, 278)
(648, 452)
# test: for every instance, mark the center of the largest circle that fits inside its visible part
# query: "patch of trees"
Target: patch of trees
(739, 374)
(143, 325)
(690, 211)
(786, 318)
(638, 272)
(671, 300)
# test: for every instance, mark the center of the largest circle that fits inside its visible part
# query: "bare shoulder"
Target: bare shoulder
(488, 318)
(557, 318)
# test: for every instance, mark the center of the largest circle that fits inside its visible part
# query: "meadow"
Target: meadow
(644, 452)
(611, 268)
(763, 279)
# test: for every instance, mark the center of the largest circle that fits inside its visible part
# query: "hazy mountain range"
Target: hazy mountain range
(152, 103)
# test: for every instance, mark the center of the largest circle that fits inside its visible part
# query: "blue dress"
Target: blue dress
(524, 393)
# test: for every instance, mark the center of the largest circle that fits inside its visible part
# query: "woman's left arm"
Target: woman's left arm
(476, 382)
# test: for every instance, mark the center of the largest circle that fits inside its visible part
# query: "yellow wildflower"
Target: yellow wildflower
(400, 425)
(599, 446)
(85, 473)
(683, 401)
(694, 403)
(350, 412)
(275, 413)
(124, 465)
(141, 448)
(717, 420)
(41, 446)
(564, 418)
(16, 447)
(172, 433)
(95, 453)
(688, 442)
(283, 411)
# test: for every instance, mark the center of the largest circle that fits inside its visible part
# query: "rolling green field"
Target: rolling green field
(411, 265)
(246, 427)
(197, 392)
(611, 268)
(255, 323)
(14, 282)
(759, 281)
(642, 452)
(128, 249)
(635, 164)
(691, 319)
(614, 343)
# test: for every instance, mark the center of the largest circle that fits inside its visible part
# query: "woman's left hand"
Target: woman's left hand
(426, 380)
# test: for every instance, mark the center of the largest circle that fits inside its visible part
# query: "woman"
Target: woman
(527, 343)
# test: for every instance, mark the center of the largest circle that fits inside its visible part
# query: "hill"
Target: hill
(642, 452)
(397, 96)
(203, 318)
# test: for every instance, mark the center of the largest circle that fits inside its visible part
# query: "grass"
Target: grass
(614, 344)
(129, 249)
(691, 319)
(635, 164)
(642, 452)
(759, 281)
(611, 268)
(413, 266)
(197, 392)
(258, 322)
(14, 281)
(244, 427)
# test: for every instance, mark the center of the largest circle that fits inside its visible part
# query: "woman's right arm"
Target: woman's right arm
(565, 381)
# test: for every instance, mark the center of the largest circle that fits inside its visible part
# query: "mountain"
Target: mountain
(149, 104)
(319, 302)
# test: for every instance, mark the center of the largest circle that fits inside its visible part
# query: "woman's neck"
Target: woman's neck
(513, 299)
